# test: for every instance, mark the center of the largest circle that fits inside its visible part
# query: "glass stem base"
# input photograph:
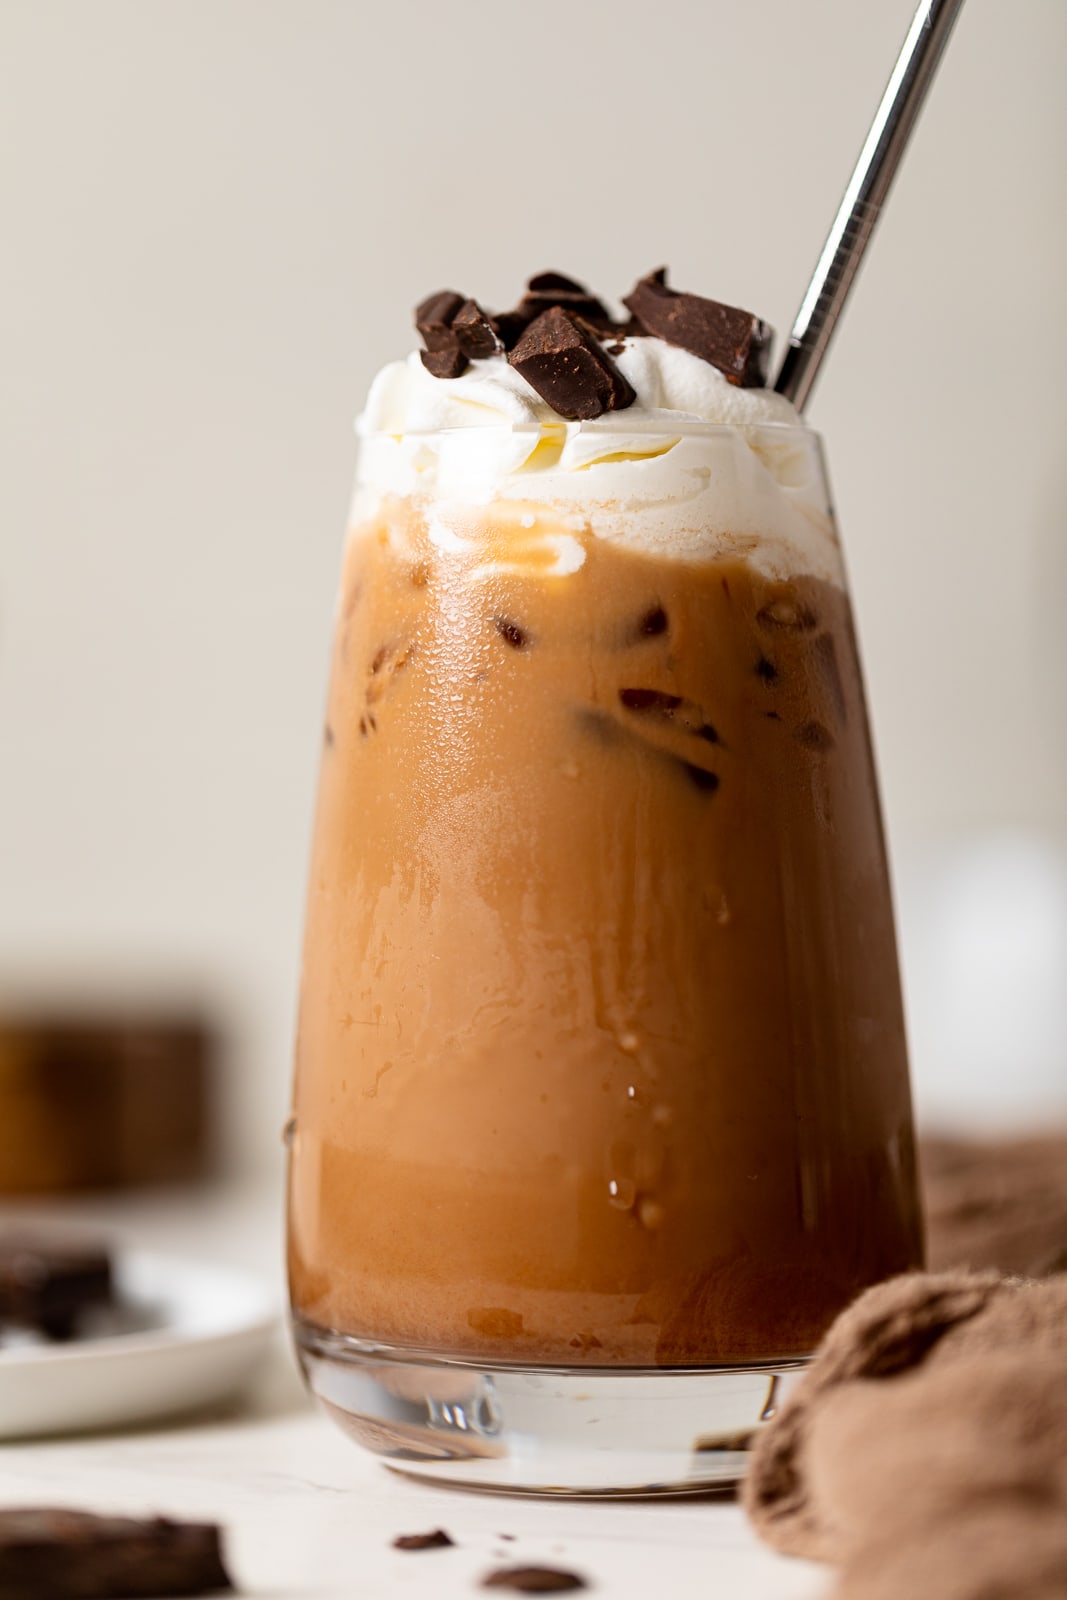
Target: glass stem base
(544, 1430)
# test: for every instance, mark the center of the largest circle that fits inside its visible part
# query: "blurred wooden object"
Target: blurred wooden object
(89, 1103)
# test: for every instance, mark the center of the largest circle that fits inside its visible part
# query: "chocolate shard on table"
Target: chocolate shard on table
(534, 1580)
(437, 1540)
(561, 357)
(47, 1284)
(734, 341)
(53, 1554)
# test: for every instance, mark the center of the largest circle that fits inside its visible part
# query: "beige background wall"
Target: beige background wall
(217, 215)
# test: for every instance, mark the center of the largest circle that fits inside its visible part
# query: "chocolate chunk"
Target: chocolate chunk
(511, 633)
(533, 1580)
(46, 1284)
(510, 327)
(705, 780)
(555, 283)
(547, 289)
(671, 708)
(434, 318)
(444, 363)
(475, 331)
(734, 341)
(650, 700)
(51, 1554)
(563, 360)
(437, 1540)
(652, 623)
(766, 670)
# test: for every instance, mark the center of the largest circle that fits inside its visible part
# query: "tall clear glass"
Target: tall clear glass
(601, 1105)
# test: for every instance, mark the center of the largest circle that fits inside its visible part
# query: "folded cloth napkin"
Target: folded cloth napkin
(1000, 1205)
(926, 1448)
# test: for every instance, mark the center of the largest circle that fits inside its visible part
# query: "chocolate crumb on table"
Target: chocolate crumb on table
(534, 1580)
(437, 1540)
(52, 1554)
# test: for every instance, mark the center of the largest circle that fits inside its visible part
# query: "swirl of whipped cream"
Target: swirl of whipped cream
(653, 476)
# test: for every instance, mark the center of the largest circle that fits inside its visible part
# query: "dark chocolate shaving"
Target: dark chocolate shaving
(734, 341)
(562, 359)
(437, 1540)
(534, 1580)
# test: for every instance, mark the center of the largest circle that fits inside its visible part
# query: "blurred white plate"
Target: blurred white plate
(186, 1336)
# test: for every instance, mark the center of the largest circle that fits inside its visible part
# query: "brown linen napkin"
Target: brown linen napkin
(1000, 1205)
(926, 1449)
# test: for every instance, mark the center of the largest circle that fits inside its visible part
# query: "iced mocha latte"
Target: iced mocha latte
(601, 1058)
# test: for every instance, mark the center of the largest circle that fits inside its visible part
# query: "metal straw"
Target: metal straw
(864, 197)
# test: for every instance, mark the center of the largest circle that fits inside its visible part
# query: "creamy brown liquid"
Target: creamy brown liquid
(601, 1056)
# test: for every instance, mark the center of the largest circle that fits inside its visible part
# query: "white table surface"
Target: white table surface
(308, 1515)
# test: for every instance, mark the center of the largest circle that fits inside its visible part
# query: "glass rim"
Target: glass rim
(658, 428)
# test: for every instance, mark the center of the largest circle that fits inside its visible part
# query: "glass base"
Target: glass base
(544, 1430)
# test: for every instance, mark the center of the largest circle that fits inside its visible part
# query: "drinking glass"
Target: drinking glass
(601, 1107)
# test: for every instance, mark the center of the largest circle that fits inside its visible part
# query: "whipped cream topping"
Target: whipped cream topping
(653, 476)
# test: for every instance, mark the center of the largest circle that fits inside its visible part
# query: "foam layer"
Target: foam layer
(655, 476)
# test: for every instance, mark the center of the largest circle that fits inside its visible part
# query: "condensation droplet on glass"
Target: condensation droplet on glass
(662, 1116)
(629, 1042)
(650, 1212)
(631, 1091)
(622, 1192)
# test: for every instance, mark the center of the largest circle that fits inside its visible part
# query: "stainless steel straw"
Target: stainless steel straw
(864, 197)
